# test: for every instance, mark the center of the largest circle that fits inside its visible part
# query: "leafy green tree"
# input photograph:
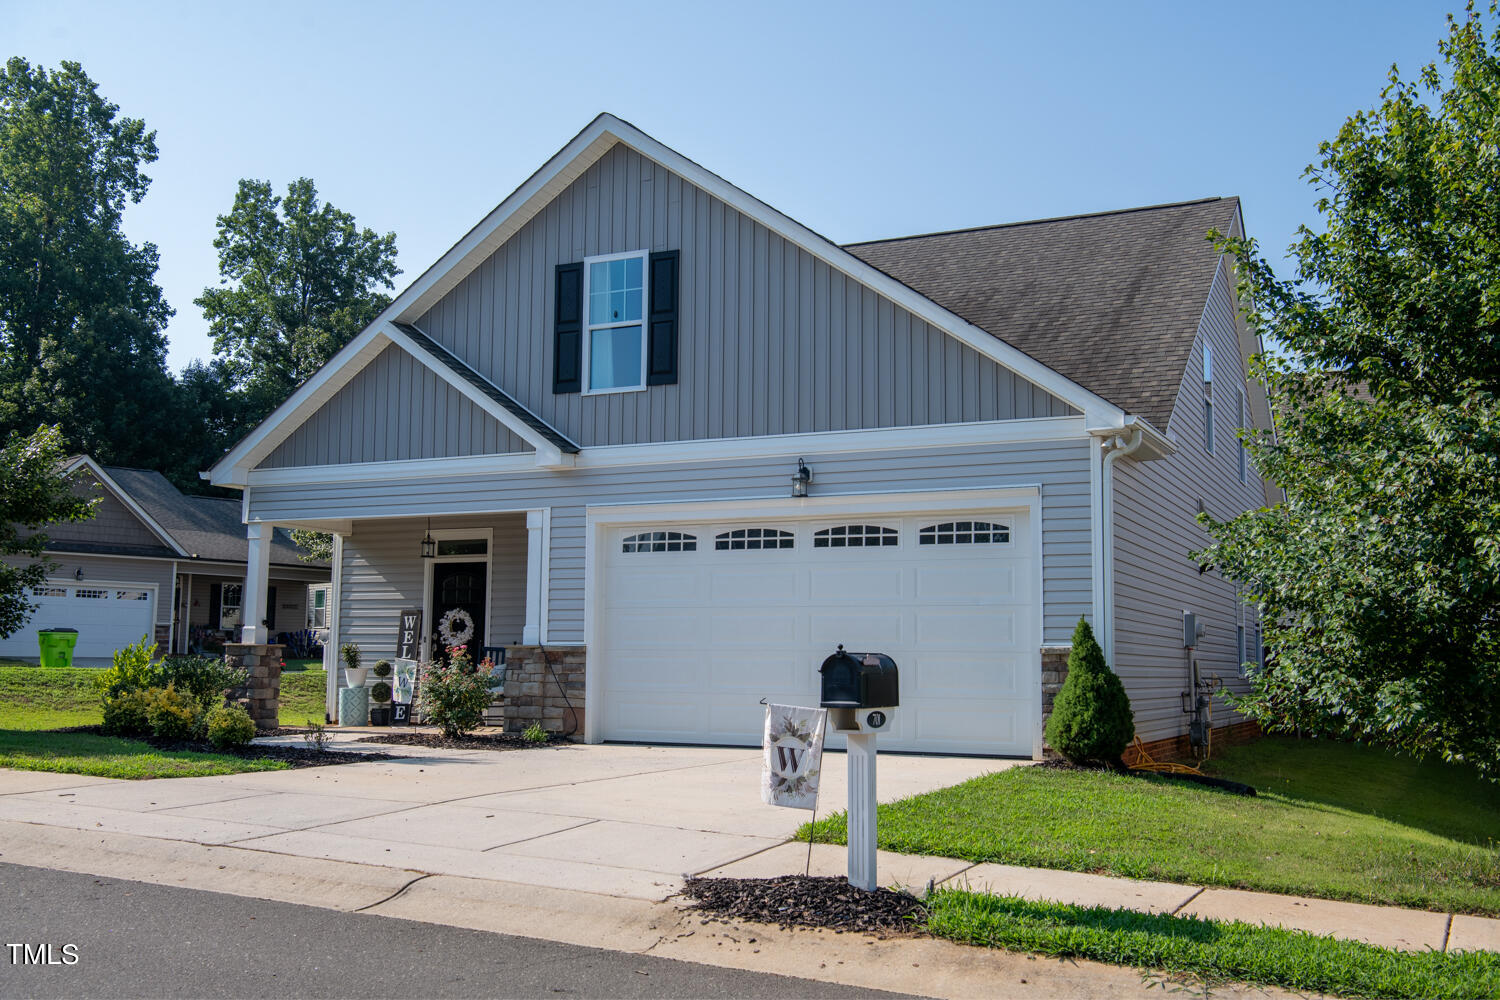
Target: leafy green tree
(81, 316)
(298, 280)
(1379, 576)
(34, 493)
(315, 545)
(1091, 720)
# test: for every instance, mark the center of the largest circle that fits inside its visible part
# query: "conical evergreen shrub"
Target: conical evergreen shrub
(1091, 721)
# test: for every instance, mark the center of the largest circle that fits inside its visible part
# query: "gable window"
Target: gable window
(1208, 399)
(1244, 424)
(854, 536)
(614, 289)
(964, 533)
(229, 605)
(660, 541)
(753, 538)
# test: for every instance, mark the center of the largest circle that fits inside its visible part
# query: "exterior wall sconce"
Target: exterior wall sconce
(800, 479)
(78, 573)
(429, 547)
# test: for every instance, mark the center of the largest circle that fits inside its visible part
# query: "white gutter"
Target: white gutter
(1114, 447)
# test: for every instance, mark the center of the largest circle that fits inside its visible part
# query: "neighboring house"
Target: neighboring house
(598, 403)
(157, 563)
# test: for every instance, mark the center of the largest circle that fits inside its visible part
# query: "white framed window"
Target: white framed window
(317, 607)
(614, 327)
(737, 539)
(660, 541)
(132, 595)
(49, 591)
(91, 593)
(855, 536)
(1244, 425)
(1239, 646)
(230, 599)
(964, 533)
(1208, 399)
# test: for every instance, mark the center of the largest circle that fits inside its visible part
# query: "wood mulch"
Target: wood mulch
(304, 756)
(809, 901)
(474, 741)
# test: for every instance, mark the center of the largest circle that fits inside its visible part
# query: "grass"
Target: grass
(302, 697)
(1324, 826)
(1211, 950)
(33, 697)
(296, 666)
(111, 757)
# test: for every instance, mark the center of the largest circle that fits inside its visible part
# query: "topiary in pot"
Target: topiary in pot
(1091, 721)
(380, 691)
(382, 669)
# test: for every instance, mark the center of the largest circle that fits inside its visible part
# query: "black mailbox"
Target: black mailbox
(859, 680)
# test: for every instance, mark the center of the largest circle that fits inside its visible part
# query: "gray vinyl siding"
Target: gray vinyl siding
(107, 569)
(383, 575)
(112, 523)
(395, 409)
(1155, 506)
(772, 340)
(382, 568)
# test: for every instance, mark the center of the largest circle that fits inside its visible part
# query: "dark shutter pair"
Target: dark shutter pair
(661, 324)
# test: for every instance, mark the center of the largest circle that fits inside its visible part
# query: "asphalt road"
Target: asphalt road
(134, 939)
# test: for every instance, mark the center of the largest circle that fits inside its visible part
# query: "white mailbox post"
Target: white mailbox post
(861, 726)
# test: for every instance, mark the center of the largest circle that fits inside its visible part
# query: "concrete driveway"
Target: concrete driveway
(626, 821)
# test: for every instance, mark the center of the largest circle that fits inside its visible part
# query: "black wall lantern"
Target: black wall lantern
(429, 547)
(800, 479)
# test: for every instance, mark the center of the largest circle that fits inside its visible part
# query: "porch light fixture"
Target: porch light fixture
(78, 573)
(429, 547)
(800, 479)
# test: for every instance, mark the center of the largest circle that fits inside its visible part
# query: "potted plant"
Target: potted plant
(380, 712)
(354, 674)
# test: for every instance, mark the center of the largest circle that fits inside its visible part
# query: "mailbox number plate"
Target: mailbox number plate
(875, 719)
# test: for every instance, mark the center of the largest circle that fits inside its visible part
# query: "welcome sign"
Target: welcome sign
(409, 635)
(793, 756)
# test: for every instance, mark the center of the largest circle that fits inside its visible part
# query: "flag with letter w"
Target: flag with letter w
(794, 756)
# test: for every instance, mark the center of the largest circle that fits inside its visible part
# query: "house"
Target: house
(154, 562)
(671, 447)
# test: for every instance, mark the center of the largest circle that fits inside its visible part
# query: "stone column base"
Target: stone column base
(261, 694)
(536, 694)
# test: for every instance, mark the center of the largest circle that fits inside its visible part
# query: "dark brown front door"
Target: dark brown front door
(459, 585)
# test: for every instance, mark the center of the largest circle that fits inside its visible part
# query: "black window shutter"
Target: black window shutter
(661, 356)
(215, 602)
(567, 330)
(270, 607)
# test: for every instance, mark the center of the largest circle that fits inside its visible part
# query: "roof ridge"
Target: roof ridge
(1037, 222)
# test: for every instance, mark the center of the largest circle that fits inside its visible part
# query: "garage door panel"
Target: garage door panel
(966, 584)
(754, 626)
(738, 723)
(861, 585)
(949, 630)
(864, 632)
(961, 725)
(763, 672)
(638, 586)
(958, 677)
(740, 583)
(632, 629)
(665, 671)
(669, 718)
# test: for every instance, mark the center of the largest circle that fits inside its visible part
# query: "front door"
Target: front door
(459, 585)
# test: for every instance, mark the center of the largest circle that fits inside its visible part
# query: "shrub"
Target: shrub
(454, 695)
(382, 668)
(172, 714)
(316, 736)
(202, 678)
(230, 726)
(380, 691)
(1091, 721)
(350, 653)
(133, 670)
(534, 733)
(125, 714)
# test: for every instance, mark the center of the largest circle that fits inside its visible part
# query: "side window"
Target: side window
(1208, 398)
(229, 606)
(753, 538)
(964, 533)
(660, 541)
(1244, 423)
(854, 536)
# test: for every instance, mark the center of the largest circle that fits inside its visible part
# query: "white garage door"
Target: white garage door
(698, 621)
(107, 617)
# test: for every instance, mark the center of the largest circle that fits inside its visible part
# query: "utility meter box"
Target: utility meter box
(860, 691)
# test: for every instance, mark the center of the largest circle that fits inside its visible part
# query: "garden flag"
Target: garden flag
(405, 681)
(794, 756)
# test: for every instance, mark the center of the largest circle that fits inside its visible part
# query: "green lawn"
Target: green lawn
(1333, 820)
(1211, 950)
(109, 757)
(302, 697)
(33, 697)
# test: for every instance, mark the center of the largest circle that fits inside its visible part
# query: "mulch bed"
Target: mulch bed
(1219, 784)
(475, 741)
(303, 756)
(809, 901)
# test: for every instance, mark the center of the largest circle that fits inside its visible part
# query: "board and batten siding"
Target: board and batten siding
(383, 575)
(772, 340)
(395, 409)
(1155, 505)
(373, 591)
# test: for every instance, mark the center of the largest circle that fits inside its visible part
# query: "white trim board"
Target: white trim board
(880, 439)
(445, 534)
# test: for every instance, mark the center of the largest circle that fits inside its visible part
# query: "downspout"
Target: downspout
(1115, 447)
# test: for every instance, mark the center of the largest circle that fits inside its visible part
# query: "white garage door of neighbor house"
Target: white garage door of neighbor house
(698, 621)
(106, 615)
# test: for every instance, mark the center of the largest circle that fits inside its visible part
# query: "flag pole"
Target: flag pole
(812, 828)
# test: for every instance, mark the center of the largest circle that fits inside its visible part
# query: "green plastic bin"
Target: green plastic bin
(57, 646)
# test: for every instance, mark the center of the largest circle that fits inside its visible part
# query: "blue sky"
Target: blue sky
(861, 120)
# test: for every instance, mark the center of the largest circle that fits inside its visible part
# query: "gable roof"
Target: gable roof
(1111, 300)
(206, 528)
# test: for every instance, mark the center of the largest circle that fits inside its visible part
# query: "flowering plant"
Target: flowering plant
(454, 695)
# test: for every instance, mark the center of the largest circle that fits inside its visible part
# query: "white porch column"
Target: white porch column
(536, 582)
(331, 643)
(257, 579)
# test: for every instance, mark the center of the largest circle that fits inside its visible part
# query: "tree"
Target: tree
(1379, 576)
(1091, 720)
(315, 545)
(298, 280)
(81, 316)
(34, 493)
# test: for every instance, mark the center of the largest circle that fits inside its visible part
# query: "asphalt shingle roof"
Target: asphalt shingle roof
(1112, 300)
(208, 528)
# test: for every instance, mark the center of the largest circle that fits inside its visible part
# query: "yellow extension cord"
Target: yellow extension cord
(1145, 762)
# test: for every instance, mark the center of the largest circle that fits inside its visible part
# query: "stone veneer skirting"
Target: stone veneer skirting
(1054, 672)
(261, 694)
(552, 697)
